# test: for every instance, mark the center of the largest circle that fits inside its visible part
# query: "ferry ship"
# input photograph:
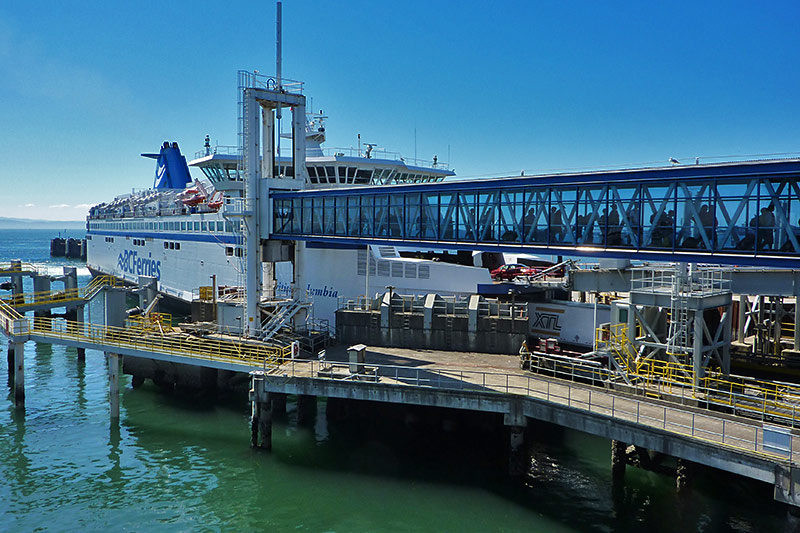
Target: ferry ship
(183, 233)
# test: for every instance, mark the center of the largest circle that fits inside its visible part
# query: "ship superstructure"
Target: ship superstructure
(188, 233)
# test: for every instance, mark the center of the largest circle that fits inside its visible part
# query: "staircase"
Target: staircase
(283, 313)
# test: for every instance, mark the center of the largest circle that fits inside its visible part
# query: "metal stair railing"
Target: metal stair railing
(274, 322)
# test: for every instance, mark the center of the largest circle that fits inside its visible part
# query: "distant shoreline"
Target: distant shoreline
(28, 223)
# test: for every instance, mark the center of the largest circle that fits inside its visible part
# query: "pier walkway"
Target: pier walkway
(494, 383)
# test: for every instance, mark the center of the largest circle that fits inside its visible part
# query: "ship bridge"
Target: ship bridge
(742, 213)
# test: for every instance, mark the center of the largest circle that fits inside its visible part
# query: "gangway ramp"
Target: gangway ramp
(742, 213)
(36, 301)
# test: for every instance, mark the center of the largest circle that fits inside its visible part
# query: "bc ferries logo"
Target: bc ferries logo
(130, 262)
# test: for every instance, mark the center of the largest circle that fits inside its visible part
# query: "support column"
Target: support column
(71, 284)
(278, 403)
(796, 343)
(306, 409)
(683, 474)
(619, 459)
(261, 425)
(427, 318)
(727, 333)
(743, 303)
(697, 347)
(518, 462)
(517, 457)
(19, 375)
(10, 359)
(80, 319)
(113, 384)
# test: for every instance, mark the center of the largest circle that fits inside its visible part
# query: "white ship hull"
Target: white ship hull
(325, 276)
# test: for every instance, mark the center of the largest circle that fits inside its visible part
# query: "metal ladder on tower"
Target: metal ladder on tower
(678, 335)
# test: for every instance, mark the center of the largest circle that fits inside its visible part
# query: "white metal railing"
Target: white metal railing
(743, 435)
(380, 153)
(262, 81)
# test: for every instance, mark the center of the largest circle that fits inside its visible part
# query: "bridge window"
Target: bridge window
(659, 216)
(561, 217)
(466, 218)
(510, 216)
(329, 216)
(694, 218)
(367, 220)
(396, 216)
(353, 212)
(413, 216)
(363, 176)
(296, 204)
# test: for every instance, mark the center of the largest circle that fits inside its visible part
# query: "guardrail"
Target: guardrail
(780, 401)
(29, 299)
(18, 268)
(745, 436)
(198, 348)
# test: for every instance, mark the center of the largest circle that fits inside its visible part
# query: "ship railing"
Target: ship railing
(380, 153)
(218, 149)
(262, 81)
(736, 433)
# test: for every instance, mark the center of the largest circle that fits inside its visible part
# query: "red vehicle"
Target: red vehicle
(512, 271)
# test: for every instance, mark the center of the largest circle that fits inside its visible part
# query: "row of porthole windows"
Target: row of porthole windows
(172, 245)
(230, 251)
(218, 226)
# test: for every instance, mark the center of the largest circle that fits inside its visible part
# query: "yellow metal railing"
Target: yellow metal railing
(182, 345)
(29, 299)
(746, 394)
(787, 329)
(19, 268)
(160, 322)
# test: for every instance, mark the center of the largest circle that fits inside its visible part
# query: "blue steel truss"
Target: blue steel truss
(732, 213)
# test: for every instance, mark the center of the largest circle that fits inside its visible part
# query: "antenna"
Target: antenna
(278, 61)
(278, 36)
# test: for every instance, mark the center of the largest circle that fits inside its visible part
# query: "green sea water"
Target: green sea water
(182, 462)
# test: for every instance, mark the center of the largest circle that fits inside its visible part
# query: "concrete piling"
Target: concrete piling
(278, 403)
(261, 425)
(10, 359)
(619, 459)
(683, 476)
(306, 409)
(517, 458)
(113, 384)
(19, 375)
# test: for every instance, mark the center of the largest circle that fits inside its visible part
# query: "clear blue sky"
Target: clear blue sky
(87, 86)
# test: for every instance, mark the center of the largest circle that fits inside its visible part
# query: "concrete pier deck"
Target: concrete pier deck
(495, 383)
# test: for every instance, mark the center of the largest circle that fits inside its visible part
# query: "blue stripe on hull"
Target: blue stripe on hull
(226, 239)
